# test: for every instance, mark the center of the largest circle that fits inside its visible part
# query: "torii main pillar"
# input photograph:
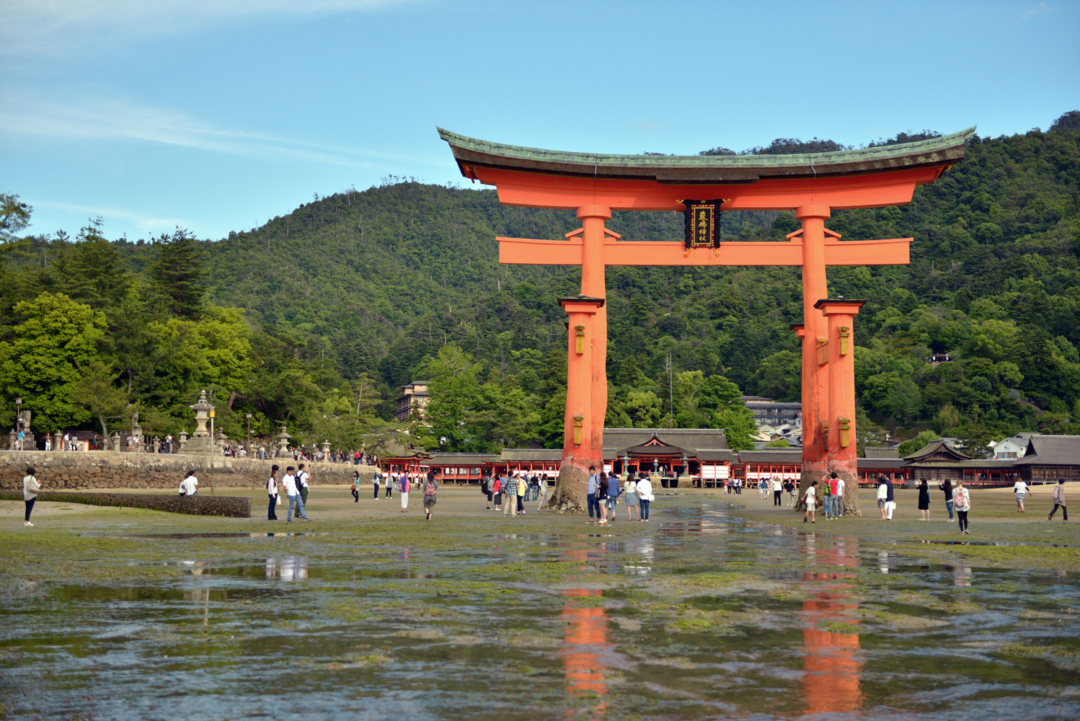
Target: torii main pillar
(811, 185)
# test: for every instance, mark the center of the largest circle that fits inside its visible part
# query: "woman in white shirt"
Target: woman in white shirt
(811, 504)
(1020, 489)
(272, 492)
(645, 496)
(30, 488)
(882, 497)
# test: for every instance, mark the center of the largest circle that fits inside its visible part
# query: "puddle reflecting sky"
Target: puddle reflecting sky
(701, 615)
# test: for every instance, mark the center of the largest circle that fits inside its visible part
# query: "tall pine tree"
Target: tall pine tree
(177, 275)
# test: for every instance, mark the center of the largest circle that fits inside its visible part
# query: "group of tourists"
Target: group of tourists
(404, 486)
(511, 492)
(603, 491)
(830, 495)
(295, 483)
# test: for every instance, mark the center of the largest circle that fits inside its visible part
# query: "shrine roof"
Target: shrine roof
(711, 169)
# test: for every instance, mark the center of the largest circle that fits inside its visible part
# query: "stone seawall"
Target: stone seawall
(104, 469)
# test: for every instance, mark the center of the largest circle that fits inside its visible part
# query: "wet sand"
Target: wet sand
(718, 608)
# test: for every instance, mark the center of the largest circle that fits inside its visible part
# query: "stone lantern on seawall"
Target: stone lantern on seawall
(200, 441)
(326, 449)
(283, 443)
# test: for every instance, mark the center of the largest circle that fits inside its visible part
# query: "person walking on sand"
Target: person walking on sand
(777, 491)
(924, 500)
(542, 491)
(946, 487)
(590, 494)
(890, 498)
(882, 495)
(1058, 496)
(30, 488)
(645, 496)
(289, 481)
(355, 490)
(510, 495)
(962, 504)
(403, 491)
(272, 492)
(630, 493)
(811, 503)
(601, 496)
(375, 482)
(390, 485)
(302, 483)
(613, 493)
(1021, 489)
(430, 489)
(522, 489)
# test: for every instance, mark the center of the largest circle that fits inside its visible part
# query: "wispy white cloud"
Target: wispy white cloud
(1035, 10)
(145, 223)
(100, 117)
(40, 25)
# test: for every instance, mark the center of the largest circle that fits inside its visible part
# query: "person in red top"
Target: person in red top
(497, 488)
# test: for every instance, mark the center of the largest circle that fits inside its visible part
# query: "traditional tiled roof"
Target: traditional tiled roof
(711, 455)
(937, 452)
(545, 455)
(1051, 451)
(944, 150)
(771, 456)
(690, 439)
(461, 459)
(871, 452)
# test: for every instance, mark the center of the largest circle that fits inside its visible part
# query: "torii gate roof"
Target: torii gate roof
(472, 153)
(866, 178)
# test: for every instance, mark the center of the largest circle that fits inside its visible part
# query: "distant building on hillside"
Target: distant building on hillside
(414, 396)
(768, 412)
(1012, 448)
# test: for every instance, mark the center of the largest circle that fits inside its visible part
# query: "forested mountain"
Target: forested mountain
(353, 294)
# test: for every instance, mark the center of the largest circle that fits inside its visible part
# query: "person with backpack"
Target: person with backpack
(962, 504)
(272, 492)
(403, 490)
(430, 489)
(289, 481)
(302, 482)
(1058, 496)
(826, 499)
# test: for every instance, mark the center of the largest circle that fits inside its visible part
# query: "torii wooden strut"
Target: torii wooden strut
(811, 185)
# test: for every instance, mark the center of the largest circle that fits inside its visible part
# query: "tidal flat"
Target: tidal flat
(720, 607)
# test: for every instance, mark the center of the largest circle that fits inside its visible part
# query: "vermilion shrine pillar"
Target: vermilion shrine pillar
(582, 446)
(593, 264)
(842, 456)
(814, 374)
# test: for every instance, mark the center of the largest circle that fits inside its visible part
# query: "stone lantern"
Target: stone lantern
(183, 441)
(200, 441)
(283, 443)
(326, 448)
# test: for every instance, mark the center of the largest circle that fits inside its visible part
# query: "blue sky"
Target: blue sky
(216, 115)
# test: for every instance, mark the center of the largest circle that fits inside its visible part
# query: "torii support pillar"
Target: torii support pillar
(842, 456)
(814, 371)
(582, 444)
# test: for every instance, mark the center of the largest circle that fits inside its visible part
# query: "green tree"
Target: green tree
(95, 391)
(95, 273)
(917, 443)
(177, 275)
(778, 443)
(56, 336)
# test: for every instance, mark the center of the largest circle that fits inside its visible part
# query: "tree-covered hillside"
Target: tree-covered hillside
(367, 290)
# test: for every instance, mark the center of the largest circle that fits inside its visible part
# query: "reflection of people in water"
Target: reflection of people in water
(831, 683)
(289, 568)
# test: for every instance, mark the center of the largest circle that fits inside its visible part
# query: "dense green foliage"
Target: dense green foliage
(354, 294)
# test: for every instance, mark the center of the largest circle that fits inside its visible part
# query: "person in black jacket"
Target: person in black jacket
(924, 499)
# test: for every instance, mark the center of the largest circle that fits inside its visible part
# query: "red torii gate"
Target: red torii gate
(812, 185)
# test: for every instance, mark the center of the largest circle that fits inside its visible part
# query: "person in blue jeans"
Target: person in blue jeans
(590, 494)
(613, 490)
(644, 490)
(289, 481)
(946, 487)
